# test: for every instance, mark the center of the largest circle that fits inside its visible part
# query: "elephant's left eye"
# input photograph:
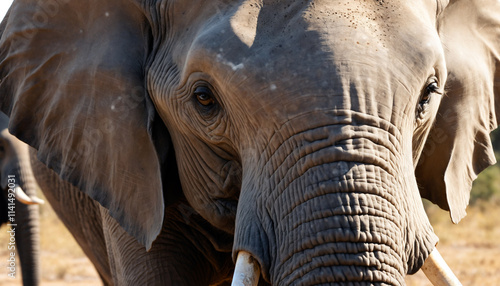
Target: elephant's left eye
(204, 96)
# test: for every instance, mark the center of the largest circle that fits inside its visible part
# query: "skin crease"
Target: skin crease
(14, 161)
(299, 132)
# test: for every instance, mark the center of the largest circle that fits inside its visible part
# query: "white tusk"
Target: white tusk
(25, 199)
(37, 201)
(247, 270)
(438, 272)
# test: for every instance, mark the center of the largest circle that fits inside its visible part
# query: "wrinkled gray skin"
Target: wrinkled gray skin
(306, 131)
(106, 244)
(15, 161)
(79, 213)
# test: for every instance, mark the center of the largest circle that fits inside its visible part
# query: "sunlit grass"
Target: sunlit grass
(62, 260)
(471, 248)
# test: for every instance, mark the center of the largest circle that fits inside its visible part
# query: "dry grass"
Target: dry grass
(471, 248)
(62, 260)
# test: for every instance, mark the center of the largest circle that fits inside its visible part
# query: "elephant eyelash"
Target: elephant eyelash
(432, 88)
(429, 90)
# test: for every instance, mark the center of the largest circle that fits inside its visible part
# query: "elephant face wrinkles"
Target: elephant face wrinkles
(306, 130)
(341, 84)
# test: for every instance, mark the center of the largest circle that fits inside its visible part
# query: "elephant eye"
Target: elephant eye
(204, 96)
(429, 90)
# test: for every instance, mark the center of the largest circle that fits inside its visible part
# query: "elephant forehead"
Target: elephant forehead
(310, 42)
(278, 51)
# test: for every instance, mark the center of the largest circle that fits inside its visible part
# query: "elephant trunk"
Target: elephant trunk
(336, 210)
(347, 228)
(27, 220)
(28, 241)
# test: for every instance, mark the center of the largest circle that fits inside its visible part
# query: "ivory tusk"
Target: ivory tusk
(36, 200)
(25, 199)
(438, 272)
(247, 270)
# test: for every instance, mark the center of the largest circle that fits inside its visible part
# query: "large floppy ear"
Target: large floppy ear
(72, 81)
(458, 147)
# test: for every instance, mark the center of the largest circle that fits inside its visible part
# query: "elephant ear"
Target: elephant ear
(72, 81)
(459, 147)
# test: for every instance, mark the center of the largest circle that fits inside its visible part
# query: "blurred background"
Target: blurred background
(471, 248)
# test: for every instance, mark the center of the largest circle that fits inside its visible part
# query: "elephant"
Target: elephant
(288, 141)
(19, 207)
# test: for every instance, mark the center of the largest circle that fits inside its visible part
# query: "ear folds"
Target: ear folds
(72, 80)
(458, 147)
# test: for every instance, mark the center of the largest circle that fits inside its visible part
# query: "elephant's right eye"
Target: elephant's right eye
(432, 88)
(429, 90)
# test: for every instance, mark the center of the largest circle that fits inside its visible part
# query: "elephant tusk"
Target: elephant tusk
(247, 270)
(37, 201)
(25, 199)
(438, 272)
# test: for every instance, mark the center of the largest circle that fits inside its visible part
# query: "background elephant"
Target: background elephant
(307, 132)
(15, 170)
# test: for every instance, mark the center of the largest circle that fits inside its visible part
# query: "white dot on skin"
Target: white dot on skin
(272, 86)
(106, 14)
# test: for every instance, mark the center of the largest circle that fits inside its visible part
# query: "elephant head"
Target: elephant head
(305, 128)
(19, 203)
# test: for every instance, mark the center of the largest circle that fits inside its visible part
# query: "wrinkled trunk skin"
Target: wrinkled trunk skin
(27, 231)
(340, 207)
(351, 229)
(28, 240)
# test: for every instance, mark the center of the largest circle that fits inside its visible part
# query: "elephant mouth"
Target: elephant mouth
(229, 205)
(226, 213)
